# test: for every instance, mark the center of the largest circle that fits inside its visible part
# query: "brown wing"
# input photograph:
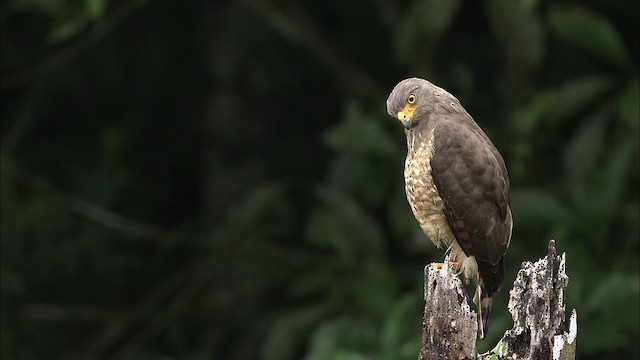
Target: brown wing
(472, 179)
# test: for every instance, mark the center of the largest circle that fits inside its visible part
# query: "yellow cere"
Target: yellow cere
(406, 112)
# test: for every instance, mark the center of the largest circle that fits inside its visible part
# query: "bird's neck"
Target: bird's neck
(419, 137)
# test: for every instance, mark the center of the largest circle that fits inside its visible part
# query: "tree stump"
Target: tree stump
(536, 304)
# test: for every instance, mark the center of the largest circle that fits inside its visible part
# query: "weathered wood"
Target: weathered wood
(536, 304)
(449, 323)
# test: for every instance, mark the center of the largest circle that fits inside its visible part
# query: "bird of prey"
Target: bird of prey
(457, 185)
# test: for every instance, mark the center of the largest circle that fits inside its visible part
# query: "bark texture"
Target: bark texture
(536, 304)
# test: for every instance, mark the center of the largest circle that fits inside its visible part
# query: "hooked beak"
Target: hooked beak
(405, 115)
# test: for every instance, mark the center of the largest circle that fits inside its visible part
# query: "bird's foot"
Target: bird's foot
(455, 266)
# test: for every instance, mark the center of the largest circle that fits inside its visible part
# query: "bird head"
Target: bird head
(408, 101)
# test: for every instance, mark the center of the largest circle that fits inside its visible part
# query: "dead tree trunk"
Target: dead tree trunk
(536, 304)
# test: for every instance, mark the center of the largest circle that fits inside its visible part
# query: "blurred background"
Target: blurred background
(220, 180)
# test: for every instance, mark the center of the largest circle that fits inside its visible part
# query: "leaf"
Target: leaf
(373, 289)
(256, 205)
(95, 8)
(365, 236)
(422, 24)
(359, 133)
(401, 219)
(331, 336)
(615, 286)
(289, 331)
(12, 282)
(67, 28)
(366, 177)
(533, 207)
(519, 29)
(498, 352)
(626, 105)
(325, 230)
(612, 296)
(601, 202)
(616, 172)
(588, 30)
(338, 355)
(585, 147)
(395, 332)
(45, 7)
(559, 103)
(311, 283)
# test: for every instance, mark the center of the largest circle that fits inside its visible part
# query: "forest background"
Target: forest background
(220, 180)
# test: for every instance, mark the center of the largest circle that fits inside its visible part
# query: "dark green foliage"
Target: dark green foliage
(194, 180)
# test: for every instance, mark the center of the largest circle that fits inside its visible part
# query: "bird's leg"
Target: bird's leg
(454, 265)
(447, 253)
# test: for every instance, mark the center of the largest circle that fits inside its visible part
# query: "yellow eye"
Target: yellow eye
(411, 99)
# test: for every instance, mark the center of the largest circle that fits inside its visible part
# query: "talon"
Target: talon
(455, 267)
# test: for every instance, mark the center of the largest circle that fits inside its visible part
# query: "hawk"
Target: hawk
(457, 185)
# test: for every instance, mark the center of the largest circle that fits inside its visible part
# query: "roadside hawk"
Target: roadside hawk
(457, 185)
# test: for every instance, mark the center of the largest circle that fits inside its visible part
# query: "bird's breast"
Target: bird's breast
(422, 194)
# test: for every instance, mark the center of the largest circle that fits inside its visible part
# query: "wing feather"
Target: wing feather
(472, 179)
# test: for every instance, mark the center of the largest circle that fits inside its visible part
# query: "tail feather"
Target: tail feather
(484, 309)
(491, 279)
